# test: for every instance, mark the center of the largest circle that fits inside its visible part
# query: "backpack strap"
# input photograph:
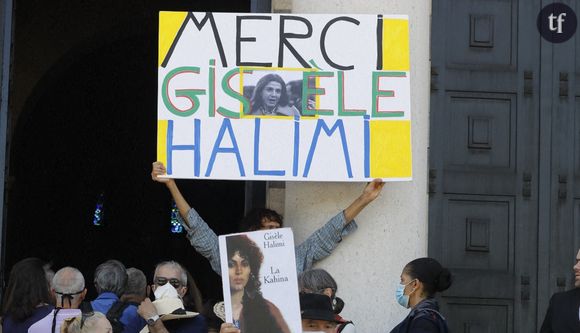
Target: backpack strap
(114, 315)
(56, 310)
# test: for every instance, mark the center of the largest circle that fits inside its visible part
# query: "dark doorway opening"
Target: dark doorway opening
(88, 128)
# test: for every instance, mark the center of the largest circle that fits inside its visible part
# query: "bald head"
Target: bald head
(68, 285)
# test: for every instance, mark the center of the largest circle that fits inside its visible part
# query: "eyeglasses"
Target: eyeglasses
(160, 281)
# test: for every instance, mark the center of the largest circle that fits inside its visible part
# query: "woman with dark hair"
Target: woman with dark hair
(27, 298)
(421, 279)
(251, 312)
(271, 98)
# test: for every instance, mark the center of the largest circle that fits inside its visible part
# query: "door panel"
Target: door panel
(481, 316)
(564, 173)
(483, 178)
(484, 135)
(488, 29)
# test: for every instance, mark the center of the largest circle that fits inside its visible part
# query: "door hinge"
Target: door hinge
(527, 185)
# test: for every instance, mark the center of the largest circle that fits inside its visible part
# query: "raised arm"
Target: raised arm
(323, 241)
(201, 237)
(370, 193)
(182, 205)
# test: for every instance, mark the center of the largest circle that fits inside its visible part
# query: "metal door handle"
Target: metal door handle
(528, 83)
(527, 185)
(562, 188)
(563, 84)
(525, 288)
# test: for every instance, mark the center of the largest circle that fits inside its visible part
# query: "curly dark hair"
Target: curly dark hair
(248, 250)
(253, 220)
(256, 101)
(27, 288)
(256, 312)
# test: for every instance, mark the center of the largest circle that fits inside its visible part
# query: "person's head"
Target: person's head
(577, 271)
(319, 281)
(136, 289)
(173, 273)
(420, 279)
(111, 276)
(261, 219)
(317, 314)
(93, 322)
(68, 288)
(244, 261)
(270, 92)
(27, 288)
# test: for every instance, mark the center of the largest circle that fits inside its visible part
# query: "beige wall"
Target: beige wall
(393, 230)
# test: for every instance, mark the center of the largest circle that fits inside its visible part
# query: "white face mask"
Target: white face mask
(165, 291)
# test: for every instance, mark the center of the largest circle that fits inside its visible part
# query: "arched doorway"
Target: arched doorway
(89, 130)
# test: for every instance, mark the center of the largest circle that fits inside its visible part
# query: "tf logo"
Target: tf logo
(557, 22)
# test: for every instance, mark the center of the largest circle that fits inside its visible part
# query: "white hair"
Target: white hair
(68, 280)
(175, 265)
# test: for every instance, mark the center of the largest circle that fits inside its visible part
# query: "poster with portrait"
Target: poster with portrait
(313, 97)
(259, 281)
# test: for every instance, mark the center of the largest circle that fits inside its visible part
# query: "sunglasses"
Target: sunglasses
(160, 281)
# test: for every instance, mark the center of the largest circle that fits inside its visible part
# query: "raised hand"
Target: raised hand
(373, 189)
(157, 170)
(228, 328)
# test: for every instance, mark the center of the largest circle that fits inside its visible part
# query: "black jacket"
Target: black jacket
(424, 318)
(562, 315)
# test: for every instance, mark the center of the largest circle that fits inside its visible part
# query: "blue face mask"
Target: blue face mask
(402, 299)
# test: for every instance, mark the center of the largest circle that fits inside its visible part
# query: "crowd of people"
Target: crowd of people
(34, 302)
(37, 300)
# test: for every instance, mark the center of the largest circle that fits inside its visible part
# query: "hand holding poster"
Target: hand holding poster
(284, 97)
(260, 288)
